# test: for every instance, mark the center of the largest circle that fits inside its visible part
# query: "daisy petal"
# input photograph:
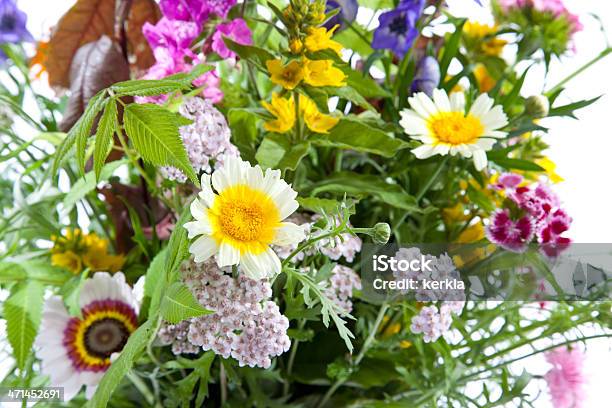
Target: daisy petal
(203, 248)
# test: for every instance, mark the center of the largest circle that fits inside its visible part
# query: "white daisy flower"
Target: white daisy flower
(76, 351)
(242, 217)
(443, 126)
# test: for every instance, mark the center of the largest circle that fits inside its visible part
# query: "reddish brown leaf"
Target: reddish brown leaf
(85, 22)
(95, 66)
(142, 11)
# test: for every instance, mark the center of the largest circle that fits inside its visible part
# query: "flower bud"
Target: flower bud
(381, 233)
(537, 106)
(296, 46)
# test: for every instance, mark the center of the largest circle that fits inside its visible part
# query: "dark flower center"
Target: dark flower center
(398, 25)
(8, 22)
(105, 337)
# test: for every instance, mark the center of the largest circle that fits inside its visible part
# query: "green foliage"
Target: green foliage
(154, 132)
(179, 304)
(22, 311)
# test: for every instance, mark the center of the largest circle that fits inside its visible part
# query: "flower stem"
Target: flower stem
(223, 384)
(292, 355)
(364, 349)
(141, 387)
(425, 188)
(583, 68)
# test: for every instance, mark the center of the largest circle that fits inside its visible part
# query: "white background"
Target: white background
(582, 150)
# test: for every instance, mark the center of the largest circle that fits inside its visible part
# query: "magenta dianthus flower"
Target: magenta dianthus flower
(566, 378)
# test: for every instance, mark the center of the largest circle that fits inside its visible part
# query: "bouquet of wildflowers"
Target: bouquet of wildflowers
(193, 192)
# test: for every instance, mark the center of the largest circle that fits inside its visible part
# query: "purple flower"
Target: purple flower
(427, 76)
(348, 13)
(196, 11)
(12, 25)
(236, 30)
(397, 28)
(175, 36)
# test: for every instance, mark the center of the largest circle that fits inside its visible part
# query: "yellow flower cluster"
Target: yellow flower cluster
(483, 38)
(316, 73)
(284, 111)
(76, 251)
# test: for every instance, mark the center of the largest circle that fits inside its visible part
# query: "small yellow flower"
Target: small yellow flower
(323, 73)
(316, 121)
(485, 81)
(76, 251)
(473, 233)
(483, 36)
(550, 167)
(284, 111)
(296, 46)
(288, 76)
(319, 39)
(405, 344)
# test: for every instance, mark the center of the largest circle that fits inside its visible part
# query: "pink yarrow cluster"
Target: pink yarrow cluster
(433, 322)
(207, 139)
(566, 379)
(172, 37)
(555, 7)
(535, 213)
(246, 325)
(342, 282)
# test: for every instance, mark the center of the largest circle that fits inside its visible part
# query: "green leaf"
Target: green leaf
(179, 304)
(33, 269)
(451, 47)
(365, 85)
(87, 184)
(350, 94)
(319, 205)
(519, 164)
(154, 282)
(104, 136)
(22, 311)
(568, 110)
(511, 97)
(255, 55)
(277, 152)
(177, 246)
(148, 87)
(353, 133)
(154, 132)
(118, 369)
(79, 133)
(244, 132)
(366, 185)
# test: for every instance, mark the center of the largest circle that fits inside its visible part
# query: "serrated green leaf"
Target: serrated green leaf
(87, 184)
(22, 311)
(148, 87)
(154, 132)
(354, 134)
(104, 136)
(120, 367)
(568, 110)
(79, 131)
(33, 269)
(179, 304)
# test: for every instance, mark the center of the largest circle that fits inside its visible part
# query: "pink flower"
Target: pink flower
(509, 234)
(237, 30)
(174, 36)
(196, 11)
(566, 379)
(555, 7)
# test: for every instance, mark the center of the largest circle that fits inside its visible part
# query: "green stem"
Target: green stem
(292, 355)
(425, 188)
(141, 387)
(583, 68)
(364, 349)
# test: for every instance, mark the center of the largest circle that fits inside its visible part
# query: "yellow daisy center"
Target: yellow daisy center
(245, 218)
(455, 128)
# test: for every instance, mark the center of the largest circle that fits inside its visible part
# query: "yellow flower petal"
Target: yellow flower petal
(319, 39)
(315, 121)
(288, 76)
(323, 73)
(284, 111)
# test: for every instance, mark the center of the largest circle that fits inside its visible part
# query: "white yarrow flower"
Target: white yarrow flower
(443, 126)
